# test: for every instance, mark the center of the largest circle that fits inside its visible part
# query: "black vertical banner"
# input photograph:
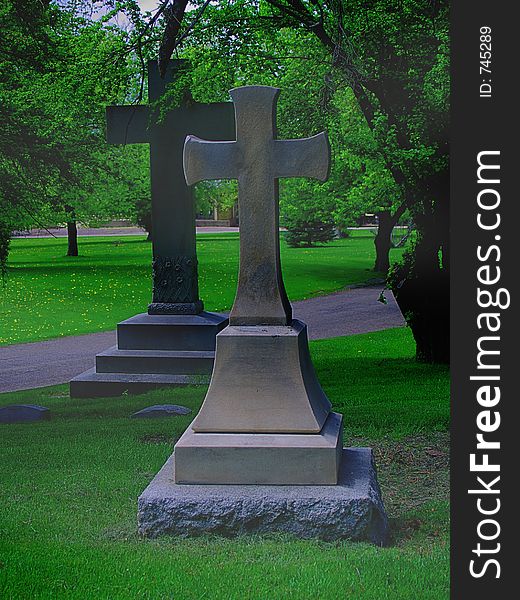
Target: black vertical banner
(485, 164)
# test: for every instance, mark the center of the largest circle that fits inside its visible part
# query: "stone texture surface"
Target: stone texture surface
(261, 458)
(263, 382)
(257, 159)
(161, 410)
(91, 384)
(170, 332)
(175, 284)
(174, 362)
(24, 413)
(351, 510)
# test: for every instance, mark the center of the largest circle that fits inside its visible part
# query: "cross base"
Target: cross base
(259, 458)
(353, 509)
(263, 381)
(153, 351)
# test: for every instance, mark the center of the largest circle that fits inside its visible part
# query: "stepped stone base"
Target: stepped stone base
(170, 332)
(104, 385)
(260, 458)
(153, 351)
(189, 362)
(353, 509)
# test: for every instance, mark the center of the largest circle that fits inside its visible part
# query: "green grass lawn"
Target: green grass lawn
(50, 295)
(69, 490)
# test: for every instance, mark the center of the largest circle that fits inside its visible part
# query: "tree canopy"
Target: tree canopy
(374, 73)
(59, 69)
(393, 55)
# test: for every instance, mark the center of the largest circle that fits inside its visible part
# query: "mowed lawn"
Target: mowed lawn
(70, 485)
(48, 294)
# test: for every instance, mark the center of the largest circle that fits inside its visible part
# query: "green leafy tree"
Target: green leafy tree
(394, 56)
(308, 222)
(221, 195)
(59, 69)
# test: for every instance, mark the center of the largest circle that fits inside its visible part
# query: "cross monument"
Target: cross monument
(175, 281)
(174, 342)
(257, 159)
(265, 453)
(263, 380)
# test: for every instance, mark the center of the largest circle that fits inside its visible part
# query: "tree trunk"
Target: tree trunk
(424, 299)
(72, 231)
(422, 288)
(383, 241)
(72, 236)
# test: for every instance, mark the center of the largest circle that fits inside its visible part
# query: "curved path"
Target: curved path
(38, 364)
(61, 232)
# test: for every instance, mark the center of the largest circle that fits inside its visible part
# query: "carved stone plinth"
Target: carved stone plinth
(261, 458)
(263, 382)
(175, 286)
(265, 418)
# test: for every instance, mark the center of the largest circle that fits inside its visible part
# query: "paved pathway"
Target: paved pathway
(132, 230)
(38, 364)
(61, 232)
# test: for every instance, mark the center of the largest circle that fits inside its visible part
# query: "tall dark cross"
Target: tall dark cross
(175, 279)
(257, 159)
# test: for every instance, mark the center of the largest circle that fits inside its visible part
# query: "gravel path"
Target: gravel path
(38, 364)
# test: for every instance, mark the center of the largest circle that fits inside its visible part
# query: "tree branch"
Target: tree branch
(174, 16)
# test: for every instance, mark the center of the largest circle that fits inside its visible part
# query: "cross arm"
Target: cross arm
(127, 124)
(307, 157)
(209, 160)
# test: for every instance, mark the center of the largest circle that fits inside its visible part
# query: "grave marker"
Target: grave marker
(265, 453)
(174, 342)
(24, 413)
(175, 280)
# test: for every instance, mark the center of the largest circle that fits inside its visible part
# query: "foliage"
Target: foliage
(59, 70)
(361, 175)
(132, 185)
(215, 194)
(307, 218)
(308, 232)
(376, 75)
(50, 295)
(69, 491)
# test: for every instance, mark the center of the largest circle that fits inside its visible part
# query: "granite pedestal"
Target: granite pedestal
(153, 351)
(352, 509)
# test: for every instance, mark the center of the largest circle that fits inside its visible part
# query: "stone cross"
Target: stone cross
(175, 281)
(257, 159)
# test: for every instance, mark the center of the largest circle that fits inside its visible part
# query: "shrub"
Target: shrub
(308, 231)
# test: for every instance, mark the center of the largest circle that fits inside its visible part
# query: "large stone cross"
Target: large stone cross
(175, 283)
(257, 159)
